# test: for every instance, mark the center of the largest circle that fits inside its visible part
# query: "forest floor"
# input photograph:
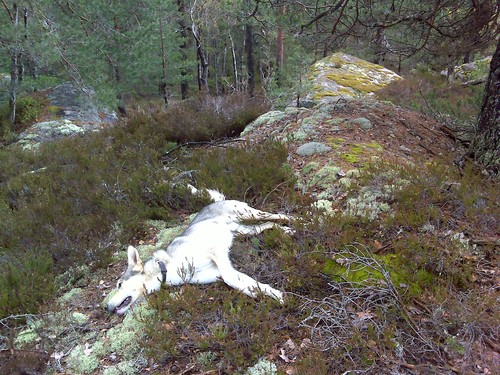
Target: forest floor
(394, 136)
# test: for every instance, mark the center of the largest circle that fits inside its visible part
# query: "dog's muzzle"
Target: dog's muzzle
(116, 309)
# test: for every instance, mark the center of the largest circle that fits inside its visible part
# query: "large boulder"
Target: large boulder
(472, 72)
(341, 75)
(74, 113)
(74, 103)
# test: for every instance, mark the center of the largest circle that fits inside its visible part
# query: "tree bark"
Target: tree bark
(485, 147)
(235, 64)
(183, 47)
(250, 58)
(163, 82)
(14, 71)
(201, 54)
(280, 44)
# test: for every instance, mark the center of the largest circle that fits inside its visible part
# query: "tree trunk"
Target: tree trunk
(485, 147)
(184, 48)
(202, 60)
(14, 77)
(280, 44)
(250, 58)
(163, 82)
(14, 71)
(235, 64)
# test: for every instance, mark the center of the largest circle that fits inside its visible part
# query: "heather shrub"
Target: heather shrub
(201, 118)
(28, 109)
(246, 173)
(26, 282)
(455, 105)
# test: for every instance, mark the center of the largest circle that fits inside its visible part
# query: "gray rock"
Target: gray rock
(47, 131)
(364, 123)
(74, 103)
(313, 148)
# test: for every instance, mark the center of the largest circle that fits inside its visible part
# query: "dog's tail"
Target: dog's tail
(215, 195)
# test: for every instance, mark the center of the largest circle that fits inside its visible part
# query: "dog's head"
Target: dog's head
(131, 286)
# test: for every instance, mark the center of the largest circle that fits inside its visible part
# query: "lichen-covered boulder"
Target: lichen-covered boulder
(268, 118)
(46, 131)
(473, 72)
(342, 75)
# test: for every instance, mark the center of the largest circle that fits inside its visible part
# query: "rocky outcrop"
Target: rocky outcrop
(75, 113)
(474, 72)
(341, 75)
(346, 131)
(46, 131)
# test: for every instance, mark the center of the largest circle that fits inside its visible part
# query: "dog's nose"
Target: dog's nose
(108, 308)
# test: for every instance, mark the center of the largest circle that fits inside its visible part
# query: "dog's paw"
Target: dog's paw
(277, 295)
(287, 230)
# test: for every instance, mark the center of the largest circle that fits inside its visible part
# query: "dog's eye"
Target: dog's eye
(119, 284)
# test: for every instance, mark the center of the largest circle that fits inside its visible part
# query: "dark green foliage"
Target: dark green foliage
(452, 104)
(28, 109)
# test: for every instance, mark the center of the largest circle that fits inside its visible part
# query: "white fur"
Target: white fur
(199, 255)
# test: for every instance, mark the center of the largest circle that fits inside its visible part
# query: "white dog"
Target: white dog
(199, 255)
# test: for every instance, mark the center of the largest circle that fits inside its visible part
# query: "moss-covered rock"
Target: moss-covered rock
(475, 71)
(343, 75)
(48, 131)
(264, 120)
(363, 123)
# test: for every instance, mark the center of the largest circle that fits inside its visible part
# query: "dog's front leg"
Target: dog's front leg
(241, 281)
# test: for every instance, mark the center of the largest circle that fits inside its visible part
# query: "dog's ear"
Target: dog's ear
(133, 258)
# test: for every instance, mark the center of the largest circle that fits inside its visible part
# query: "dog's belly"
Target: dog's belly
(192, 272)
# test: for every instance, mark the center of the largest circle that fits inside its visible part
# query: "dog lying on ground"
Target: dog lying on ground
(200, 255)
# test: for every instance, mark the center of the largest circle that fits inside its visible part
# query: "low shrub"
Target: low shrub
(450, 103)
(28, 109)
(26, 282)
(200, 119)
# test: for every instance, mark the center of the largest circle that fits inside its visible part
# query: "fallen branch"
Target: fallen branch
(218, 143)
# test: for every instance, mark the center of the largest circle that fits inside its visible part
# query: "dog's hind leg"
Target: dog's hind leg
(241, 281)
(259, 228)
(249, 213)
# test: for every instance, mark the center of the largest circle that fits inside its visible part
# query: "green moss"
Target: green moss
(320, 94)
(455, 345)
(125, 338)
(358, 83)
(351, 158)
(374, 145)
(84, 359)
